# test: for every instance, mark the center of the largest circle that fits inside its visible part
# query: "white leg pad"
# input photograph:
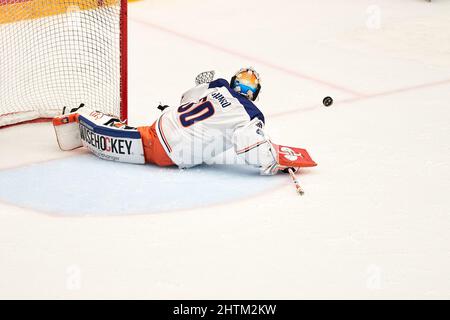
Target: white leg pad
(67, 132)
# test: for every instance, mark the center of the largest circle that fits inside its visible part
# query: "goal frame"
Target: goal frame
(123, 76)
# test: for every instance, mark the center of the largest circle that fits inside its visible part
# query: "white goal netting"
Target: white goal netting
(56, 53)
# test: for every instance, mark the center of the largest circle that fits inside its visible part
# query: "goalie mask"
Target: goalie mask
(247, 83)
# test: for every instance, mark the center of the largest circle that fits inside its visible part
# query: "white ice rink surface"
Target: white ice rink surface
(374, 222)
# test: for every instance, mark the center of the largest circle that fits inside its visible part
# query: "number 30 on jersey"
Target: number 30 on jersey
(190, 113)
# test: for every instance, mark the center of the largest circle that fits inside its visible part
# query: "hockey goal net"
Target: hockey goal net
(56, 53)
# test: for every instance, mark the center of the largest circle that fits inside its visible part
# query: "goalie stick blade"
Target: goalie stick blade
(294, 157)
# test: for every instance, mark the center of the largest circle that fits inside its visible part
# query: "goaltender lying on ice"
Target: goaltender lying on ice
(213, 117)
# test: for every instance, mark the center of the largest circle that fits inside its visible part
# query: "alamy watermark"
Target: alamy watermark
(73, 278)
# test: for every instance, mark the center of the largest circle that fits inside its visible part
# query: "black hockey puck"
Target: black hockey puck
(327, 101)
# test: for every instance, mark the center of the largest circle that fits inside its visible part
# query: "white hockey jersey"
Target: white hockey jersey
(211, 119)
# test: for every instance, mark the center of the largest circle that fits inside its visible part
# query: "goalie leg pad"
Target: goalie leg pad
(110, 139)
(111, 143)
(67, 132)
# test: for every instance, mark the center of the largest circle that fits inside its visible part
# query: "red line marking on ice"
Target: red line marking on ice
(248, 57)
(357, 95)
(369, 96)
(399, 90)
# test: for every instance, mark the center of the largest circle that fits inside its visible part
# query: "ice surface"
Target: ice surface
(86, 186)
(375, 220)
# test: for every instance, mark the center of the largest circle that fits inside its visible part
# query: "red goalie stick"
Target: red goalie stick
(296, 183)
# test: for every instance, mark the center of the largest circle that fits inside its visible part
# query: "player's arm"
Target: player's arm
(252, 144)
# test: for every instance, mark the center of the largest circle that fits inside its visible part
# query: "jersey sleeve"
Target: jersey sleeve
(253, 146)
